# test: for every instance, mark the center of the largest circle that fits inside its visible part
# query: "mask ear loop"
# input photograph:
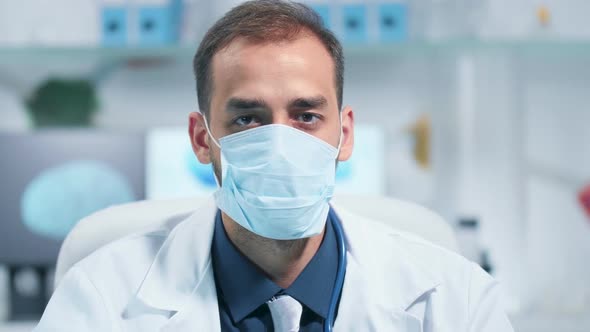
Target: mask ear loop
(341, 134)
(209, 131)
(214, 141)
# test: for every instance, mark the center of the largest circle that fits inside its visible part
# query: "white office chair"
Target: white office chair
(116, 222)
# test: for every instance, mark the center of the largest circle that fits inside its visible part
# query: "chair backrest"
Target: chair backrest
(118, 221)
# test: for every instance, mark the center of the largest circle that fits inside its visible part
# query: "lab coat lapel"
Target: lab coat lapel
(382, 279)
(180, 282)
(202, 312)
(358, 310)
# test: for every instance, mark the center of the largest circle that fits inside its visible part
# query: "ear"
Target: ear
(199, 137)
(347, 134)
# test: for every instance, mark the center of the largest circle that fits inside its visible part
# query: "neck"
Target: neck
(281, 260)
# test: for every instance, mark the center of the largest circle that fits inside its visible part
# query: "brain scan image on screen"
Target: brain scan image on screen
(343, 171)
(172, 169)
(364, 172)
(58, 197)
(202, 173)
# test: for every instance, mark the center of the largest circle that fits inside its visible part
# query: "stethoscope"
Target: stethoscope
(329, 322)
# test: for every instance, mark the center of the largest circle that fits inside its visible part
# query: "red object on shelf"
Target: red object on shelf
(584, 198)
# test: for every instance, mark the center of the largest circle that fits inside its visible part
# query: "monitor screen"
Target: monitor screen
(172, 169)
(51, 179)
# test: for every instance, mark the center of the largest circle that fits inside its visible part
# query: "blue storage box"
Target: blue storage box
(114, 26)
(354, 19)
(393, 22)
(324, 12)
(156, 26)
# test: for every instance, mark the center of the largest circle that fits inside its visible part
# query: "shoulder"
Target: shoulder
(402, 264)
(385, 249)
(417, 253)
(461, 290)
(137, 249)
(403, 216)
(404, 231)
(123, 263)
(117, 269)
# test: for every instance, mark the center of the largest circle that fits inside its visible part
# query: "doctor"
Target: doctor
(268, 252)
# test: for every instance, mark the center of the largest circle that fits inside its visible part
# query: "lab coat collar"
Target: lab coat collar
(180, 264)
(181, 282)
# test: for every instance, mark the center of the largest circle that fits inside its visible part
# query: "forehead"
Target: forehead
(303, 59)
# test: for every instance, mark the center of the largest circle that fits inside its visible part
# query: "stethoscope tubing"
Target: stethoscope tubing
(329, 322)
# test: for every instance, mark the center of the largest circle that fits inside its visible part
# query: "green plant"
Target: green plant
(63, 103)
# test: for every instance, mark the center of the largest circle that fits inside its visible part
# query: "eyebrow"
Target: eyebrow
(316, 102)
(244, 104)
(237, 104)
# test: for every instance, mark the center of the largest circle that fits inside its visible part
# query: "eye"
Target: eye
(245, 120)
(307, 118)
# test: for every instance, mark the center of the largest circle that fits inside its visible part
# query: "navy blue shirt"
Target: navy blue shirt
(243, 289)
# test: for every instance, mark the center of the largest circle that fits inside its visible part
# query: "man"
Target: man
(265, 254)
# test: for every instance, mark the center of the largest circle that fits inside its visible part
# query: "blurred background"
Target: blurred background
(478, 109)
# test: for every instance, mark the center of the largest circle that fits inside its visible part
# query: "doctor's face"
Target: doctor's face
(289, 83)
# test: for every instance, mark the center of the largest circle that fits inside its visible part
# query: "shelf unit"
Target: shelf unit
(15, 54)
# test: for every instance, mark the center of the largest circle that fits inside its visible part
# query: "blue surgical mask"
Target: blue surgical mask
(277, 180)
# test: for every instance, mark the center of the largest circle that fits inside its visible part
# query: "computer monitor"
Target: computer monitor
(50, 179)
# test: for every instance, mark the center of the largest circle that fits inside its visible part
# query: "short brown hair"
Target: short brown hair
(262, 21)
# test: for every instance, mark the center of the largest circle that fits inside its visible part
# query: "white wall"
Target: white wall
(141, 98)
(558, 153)
(523, 126)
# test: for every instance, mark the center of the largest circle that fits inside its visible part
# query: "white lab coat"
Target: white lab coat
(162, 280)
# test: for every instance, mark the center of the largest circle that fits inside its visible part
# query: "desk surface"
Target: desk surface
(17, 326)
(533, 323)
(551, 323)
